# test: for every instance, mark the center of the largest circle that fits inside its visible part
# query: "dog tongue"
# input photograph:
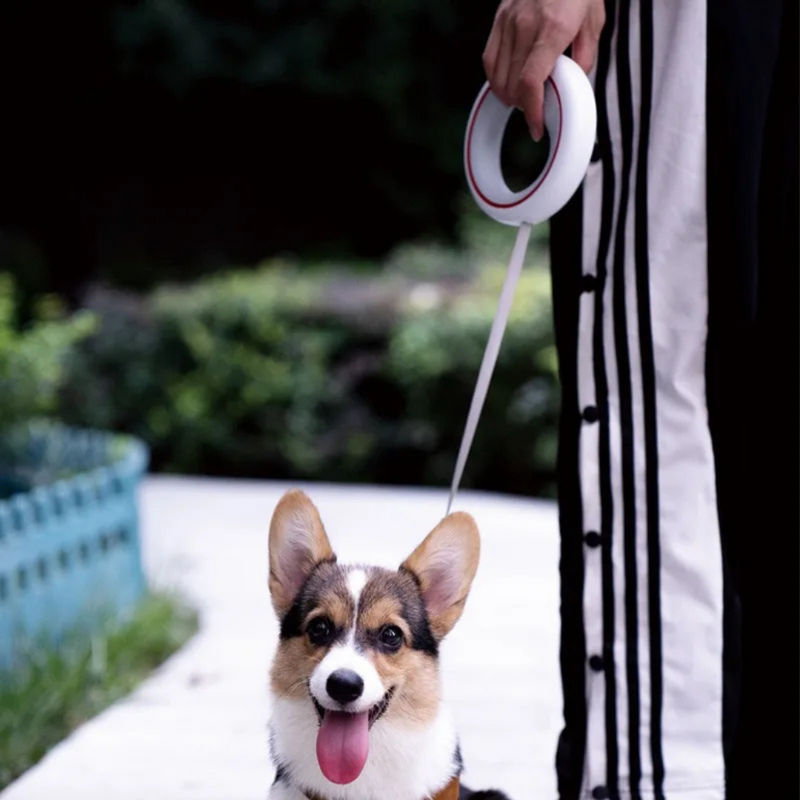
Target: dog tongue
(343, 745)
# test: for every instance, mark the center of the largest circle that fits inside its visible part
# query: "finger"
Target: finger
(493, 56)
(584, 48)
(490, 53)
(537, 70)
(504, 61)
(525, 33)
(584, 51)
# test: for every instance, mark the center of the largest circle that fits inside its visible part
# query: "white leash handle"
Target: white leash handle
(570, 115)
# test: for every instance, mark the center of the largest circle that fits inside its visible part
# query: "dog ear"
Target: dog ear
(297, 543)
(445, 565)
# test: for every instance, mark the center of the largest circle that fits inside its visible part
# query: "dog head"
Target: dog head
(361, 643)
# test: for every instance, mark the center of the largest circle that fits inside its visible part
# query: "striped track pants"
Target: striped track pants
(675, 279)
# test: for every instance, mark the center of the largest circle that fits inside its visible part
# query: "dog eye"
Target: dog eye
(391, 637)
(320, 631)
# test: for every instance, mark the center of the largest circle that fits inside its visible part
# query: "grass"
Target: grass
(59, 690)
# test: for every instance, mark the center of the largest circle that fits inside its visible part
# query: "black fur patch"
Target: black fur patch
(414, 577)
(290, 624)
(487, 794)
(316, 582)
(281, 770)
(458, 760)
(404, 586)
(281, 775)
(422, 636)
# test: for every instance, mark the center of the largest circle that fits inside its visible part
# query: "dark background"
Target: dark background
(169, 137)
(261, 205)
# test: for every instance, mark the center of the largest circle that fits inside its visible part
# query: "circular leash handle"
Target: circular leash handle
(570, 116)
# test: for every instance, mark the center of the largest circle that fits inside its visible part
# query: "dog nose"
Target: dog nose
(344, 686)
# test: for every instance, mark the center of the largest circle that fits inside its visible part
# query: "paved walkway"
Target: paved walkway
(197, 728)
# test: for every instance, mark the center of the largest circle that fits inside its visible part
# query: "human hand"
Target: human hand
(527, 38)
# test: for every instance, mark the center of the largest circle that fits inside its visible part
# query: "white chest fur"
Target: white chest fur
(405, 762)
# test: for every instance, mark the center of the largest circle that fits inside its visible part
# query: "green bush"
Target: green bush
(31, 359)
(31, 371)
(329, 373)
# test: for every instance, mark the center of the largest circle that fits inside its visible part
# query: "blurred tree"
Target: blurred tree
(196, 132)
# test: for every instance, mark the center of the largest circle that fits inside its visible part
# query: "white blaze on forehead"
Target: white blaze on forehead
(356, 580)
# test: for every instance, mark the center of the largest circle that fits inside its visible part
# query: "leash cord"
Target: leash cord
(490, 355)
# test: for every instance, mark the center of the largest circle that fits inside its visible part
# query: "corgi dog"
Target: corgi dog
(357, 708)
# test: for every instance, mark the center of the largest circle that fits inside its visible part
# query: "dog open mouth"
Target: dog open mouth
(343, 740)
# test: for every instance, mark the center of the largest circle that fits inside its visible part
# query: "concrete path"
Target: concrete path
(197, 728)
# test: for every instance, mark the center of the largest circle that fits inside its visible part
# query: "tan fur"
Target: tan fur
(292, 667)
(336, 608)
(294, 511)
(415, 677)
(450, 792)
(383, 611)
(455, 534)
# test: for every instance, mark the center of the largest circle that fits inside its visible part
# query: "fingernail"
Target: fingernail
(536, 134)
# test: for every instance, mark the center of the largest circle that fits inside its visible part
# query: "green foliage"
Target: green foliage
(32, 359)
(245, 361)
(435, 357)
(58, 690)
(328, 373)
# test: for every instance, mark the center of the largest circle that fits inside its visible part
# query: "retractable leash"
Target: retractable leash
(570, 116)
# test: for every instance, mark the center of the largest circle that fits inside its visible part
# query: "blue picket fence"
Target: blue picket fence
(70, 559)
